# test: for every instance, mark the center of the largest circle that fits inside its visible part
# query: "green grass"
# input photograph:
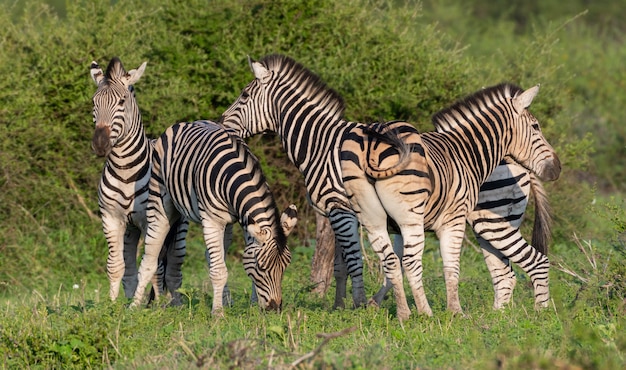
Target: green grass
(77, 326)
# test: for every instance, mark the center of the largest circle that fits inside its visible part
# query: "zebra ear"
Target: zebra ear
(523, 100)
(96, 73)
(260, 72)
(289, 219)
(133, 75)
(261, 235)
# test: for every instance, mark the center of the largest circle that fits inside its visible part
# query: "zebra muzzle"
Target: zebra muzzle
(101, 143)
(551, 171)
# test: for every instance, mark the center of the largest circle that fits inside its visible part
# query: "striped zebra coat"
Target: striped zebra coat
(496, 223)
(290, 100)
(123, 190)
(473, 136)
(203, 173)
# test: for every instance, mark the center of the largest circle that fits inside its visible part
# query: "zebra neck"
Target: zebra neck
(311, 137)
(133, 147)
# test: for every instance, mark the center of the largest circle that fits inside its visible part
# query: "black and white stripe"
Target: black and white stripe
(472, 137)
(123, 190)
(287, 99)
(496, 222)
(205, 174)
(290, 100)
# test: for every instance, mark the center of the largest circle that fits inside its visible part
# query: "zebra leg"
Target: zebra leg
(340, 273)
(346, 228)
(114, 230)
(398, 249)
(227, 299)
(450, 241)
(131, 241)
(502, 274)
(213, 232)
(512, 245)
(175, 255)
(160, 215)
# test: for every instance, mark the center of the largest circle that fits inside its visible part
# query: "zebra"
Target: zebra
(472, 137)
(123, 189)
(203, 173)
(498, 215)
(308, 112)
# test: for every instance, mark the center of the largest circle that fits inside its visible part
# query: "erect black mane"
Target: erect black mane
(312, 85)
(484, 97)
(115, 69)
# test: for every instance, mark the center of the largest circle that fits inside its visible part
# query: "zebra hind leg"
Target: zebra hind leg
(346, 228)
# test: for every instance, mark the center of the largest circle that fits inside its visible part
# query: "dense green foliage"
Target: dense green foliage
(389, 60)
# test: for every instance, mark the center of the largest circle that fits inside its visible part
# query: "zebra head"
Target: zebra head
(267, 256)
(113, 104)
(528, 145)
(253, 112)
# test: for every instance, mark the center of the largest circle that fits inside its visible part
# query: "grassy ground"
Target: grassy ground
(77, 326)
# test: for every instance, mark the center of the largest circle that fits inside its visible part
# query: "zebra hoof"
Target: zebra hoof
(372, 303)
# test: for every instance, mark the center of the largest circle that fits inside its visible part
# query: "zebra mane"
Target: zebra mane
(308, 83)
(115, 69)
(447, 118)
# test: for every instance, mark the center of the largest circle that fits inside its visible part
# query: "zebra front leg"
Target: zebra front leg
(450, 242)
(131, 241)
(213, 232)
(227, 299)
(510, 243)
(114, 230)
(346, 228)
(534, 263)
(501, 271)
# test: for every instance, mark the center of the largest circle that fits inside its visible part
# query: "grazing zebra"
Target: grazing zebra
(473, 136)
(290, 100)
(123, 190)
(496, 220)
(203, 173)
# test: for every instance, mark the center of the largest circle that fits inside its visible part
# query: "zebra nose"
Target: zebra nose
(552, 171)
(273, 306)
(101, 143)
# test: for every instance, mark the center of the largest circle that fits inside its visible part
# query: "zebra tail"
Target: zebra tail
(381, 133)
(542, 229)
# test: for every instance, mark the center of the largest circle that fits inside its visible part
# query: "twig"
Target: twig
(569, 271)
(327, 338)
(82, 202)
(472, 244)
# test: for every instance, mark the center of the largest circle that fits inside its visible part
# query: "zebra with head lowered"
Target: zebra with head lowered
(204, 173)
(473, 136)
(290, 100)
(123, 190)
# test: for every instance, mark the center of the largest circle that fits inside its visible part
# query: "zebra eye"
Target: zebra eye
(122, 101)
(535, 126)
(244, 96)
